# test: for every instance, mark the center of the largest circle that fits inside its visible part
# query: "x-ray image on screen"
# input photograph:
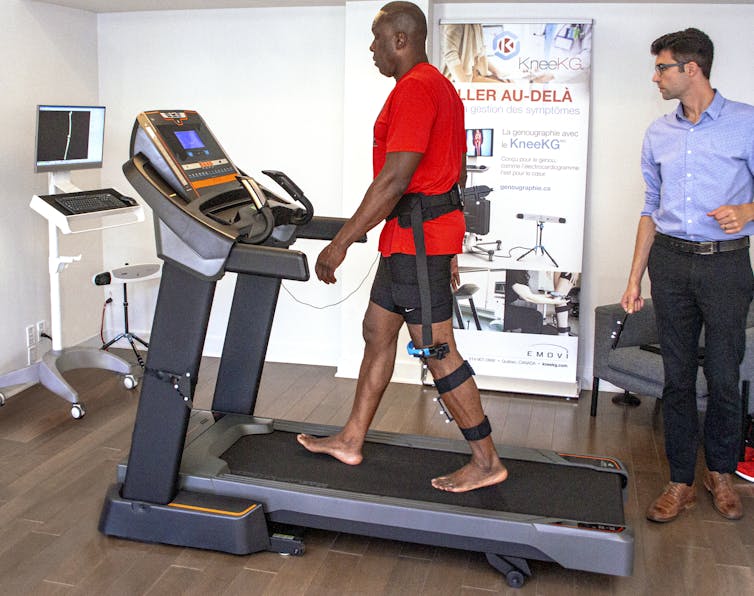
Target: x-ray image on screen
(69, 137)
(479, 142)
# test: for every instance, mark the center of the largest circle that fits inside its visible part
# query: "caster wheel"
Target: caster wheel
(130, 381)
(2, 399)
(515, 579)
(77, 411)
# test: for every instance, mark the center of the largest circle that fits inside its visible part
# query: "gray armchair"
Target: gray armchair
(639, 370)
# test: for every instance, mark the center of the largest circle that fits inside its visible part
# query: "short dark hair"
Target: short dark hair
(406, 17)
(689, 45)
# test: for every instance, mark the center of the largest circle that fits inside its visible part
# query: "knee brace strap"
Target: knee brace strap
(454, 379)
(478, 432)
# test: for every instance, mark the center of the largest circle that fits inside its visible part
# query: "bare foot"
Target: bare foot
(335, 446)
(470, 477)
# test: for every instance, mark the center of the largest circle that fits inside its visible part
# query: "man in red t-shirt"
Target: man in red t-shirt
(419, 147)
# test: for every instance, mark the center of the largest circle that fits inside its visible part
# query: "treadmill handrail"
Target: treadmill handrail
(268, 261)
(323, 228)
(207, 237)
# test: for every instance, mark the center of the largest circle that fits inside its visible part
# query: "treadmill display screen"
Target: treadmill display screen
(180, 144)
(189, 139)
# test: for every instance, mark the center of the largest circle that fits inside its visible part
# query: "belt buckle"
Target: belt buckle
(710, 248)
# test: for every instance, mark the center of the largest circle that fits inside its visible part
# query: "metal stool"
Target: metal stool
(465, 292)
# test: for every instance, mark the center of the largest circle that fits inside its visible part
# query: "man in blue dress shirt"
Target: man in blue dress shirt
(693, 239)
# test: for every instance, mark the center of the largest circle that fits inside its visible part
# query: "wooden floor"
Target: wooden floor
(54, 471)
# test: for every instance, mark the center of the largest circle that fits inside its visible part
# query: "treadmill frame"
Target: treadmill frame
(197, 252)
(589, 547)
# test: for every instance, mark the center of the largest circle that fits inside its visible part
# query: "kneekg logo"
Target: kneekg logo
(506, 45)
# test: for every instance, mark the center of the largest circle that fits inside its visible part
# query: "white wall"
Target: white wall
(49, 56)
(269, 83)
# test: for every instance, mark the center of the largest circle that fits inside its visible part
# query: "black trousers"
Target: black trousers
(691, 292)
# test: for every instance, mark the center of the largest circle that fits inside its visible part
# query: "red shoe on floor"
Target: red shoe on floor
(745, 468)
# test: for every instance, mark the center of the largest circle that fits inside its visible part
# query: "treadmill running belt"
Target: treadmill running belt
(532, 488)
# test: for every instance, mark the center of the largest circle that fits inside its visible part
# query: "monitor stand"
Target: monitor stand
(49, 370)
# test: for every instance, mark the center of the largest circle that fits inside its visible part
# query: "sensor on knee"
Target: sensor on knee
(438, 351)
(443, 410)
(450, 382)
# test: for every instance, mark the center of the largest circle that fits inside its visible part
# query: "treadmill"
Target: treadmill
(227, 480)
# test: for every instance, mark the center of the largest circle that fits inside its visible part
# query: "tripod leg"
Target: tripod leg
(544, 250)
(141, 341)
(526, 253)
(113, 340)
(139, 359)
(127, 333)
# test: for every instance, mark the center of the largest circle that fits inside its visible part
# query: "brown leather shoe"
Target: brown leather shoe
(676, 498)
(724, 496)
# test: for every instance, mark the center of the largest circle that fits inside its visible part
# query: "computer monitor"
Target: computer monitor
(479, 142)
(69, 137)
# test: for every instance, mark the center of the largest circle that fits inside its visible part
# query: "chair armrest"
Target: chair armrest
(639, 328)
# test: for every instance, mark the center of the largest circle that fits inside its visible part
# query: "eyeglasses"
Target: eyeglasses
(661, 68)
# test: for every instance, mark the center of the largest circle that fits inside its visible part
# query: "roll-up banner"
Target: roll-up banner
(526, 89)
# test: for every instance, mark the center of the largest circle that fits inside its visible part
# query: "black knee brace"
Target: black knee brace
(559, 309)
(478, 432)
(450, 382)
(454, 379)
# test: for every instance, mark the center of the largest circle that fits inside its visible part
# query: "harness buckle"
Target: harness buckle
(438, 351)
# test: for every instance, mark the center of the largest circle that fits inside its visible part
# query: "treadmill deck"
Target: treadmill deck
(551, 490)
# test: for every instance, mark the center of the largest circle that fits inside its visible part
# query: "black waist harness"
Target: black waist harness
(432, 206)
(412, 211)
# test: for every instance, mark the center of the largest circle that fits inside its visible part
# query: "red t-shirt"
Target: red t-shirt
(424, 114)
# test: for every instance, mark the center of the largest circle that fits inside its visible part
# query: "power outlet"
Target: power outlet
(41, 329)
(31, 336)
(31, 355)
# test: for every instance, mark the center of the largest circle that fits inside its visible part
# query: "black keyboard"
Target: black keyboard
(89, 203)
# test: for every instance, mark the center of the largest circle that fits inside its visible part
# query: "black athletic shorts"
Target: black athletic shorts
(396, 288)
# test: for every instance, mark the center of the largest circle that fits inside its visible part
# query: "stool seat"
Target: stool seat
(131, 273)
(466, 291)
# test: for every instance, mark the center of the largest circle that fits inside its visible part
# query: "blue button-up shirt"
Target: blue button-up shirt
(692, 168)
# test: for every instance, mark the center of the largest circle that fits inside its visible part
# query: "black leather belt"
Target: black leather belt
(701, 248)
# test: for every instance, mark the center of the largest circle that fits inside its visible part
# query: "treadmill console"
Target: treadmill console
(203, 204)
(184, 151)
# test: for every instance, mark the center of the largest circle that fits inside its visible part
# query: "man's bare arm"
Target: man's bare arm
(381, 197)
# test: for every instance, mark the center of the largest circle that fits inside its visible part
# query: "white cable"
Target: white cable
(342, 300)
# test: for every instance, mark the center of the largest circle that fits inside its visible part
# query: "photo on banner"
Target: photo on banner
(525, 87)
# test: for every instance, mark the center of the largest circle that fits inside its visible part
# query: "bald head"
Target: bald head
(407, 18)
(400, 35)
